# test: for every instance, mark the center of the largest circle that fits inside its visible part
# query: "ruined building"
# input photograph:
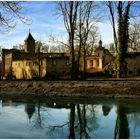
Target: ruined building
(98, 61)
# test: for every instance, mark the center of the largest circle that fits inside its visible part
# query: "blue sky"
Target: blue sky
(45, 22)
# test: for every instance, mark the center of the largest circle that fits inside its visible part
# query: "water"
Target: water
(69, 118)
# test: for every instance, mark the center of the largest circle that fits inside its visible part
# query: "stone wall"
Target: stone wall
(107, 58)
(57, 66)
(8, 64)
(133, 65)
(28, 69)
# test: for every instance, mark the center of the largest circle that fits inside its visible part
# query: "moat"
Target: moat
(69, 118)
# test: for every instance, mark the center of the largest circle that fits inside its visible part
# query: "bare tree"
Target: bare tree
(58, 49)
(18, 46)
(60, 46)
(9, 12)
(92, 40)
(112, 9)
(43, 47)
(78, 19)
(68, 10)
(122, 12)
(85, 24)
(134, 36)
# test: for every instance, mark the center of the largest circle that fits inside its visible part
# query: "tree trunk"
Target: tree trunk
(120, 41)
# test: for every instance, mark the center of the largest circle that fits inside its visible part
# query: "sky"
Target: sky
(44, 22)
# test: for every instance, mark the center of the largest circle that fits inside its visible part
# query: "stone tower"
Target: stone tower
(100, 43)
(29, 44)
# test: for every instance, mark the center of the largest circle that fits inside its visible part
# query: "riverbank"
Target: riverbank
(97, 88)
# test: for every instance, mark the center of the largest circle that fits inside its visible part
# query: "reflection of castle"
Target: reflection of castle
(29, 109)
(27, 64)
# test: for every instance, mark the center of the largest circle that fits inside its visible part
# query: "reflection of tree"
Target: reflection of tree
(85, 120)
(53, 129)
(72, 121)
(38, 119)
(134, 118)
(121, 128)
(42, 118)
(82, 121)
(56, 129)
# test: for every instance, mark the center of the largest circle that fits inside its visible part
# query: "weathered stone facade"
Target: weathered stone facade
(28, 64)
(58, 66)
(133, 64)
(97, 62)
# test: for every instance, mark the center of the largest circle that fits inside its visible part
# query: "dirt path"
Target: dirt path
(97, 88)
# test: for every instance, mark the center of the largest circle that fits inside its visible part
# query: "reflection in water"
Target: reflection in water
(68, 120)
(121, 129)
(29, 109)
(72, 121)
(106, 109)
(38, 123)
(81, 111)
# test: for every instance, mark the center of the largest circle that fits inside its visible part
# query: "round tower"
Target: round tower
(29, 44)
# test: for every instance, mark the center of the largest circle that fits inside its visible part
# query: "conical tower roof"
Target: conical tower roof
(29, 37)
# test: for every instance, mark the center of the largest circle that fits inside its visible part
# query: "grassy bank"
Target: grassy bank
(97, 88)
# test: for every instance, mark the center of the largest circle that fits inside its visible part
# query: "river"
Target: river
(64, 118)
